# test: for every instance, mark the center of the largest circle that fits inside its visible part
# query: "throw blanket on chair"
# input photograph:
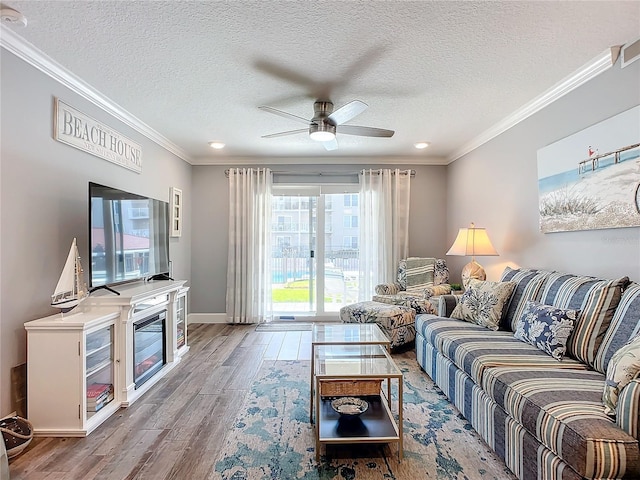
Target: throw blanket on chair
(419, 273)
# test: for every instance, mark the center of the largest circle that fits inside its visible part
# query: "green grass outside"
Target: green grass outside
(289, 295)
(294, 292)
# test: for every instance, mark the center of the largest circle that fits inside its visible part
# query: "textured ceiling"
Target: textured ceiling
(442, 72)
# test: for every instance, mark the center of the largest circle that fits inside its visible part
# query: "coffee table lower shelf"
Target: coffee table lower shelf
(376, 425)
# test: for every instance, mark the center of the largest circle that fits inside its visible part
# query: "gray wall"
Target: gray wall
(43, 201)
(495, 186)
(427, 235)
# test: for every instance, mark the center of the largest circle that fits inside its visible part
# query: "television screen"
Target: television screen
(129, 236)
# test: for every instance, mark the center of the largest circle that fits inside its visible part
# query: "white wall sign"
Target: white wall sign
(84, 133)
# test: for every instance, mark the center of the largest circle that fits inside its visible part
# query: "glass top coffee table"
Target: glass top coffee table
(356, 370)
(343, 334)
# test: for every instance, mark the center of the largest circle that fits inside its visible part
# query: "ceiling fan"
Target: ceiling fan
(326, 123)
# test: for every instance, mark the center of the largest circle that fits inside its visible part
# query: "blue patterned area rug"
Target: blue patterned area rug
(271, 438)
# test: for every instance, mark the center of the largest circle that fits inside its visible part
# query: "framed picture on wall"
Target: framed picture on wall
(591, 179)
(176, 212)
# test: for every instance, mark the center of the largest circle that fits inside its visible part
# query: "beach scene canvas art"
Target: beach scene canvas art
(591, 179)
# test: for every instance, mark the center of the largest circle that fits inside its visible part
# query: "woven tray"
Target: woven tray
(344, 388)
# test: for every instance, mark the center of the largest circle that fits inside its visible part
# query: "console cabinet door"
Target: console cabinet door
(70, 377)
(99, 370)
(54, 381)
(181, 320)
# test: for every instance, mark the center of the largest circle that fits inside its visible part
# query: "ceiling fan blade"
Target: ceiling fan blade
(313, 87)
(282, 134)
(347, 112)
(285, 73)
(290, 116)
(365, 61)
(364, 131)
(330, 144)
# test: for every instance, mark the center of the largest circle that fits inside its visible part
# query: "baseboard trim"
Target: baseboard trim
(222, 318)
(207, 318)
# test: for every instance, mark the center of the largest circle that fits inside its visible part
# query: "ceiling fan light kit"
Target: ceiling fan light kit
(322, 132)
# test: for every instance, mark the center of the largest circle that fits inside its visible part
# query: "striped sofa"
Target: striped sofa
(544, 417)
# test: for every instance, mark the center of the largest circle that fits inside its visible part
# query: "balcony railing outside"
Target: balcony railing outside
(290, 267)
(290, 227)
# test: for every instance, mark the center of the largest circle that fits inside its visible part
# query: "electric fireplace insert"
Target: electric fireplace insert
(149, 347)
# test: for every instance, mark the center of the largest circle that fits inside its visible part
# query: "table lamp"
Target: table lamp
(475, 242)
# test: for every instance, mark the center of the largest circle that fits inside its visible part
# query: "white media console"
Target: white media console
(84, 365)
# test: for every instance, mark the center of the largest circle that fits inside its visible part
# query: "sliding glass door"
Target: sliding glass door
(315, 252)
(340, 250)
(293, 271)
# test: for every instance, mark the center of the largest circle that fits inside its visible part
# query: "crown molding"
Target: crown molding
(17, 45)
(377, 160)
(590, 70)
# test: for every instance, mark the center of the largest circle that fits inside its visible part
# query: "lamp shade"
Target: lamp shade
(472, 241)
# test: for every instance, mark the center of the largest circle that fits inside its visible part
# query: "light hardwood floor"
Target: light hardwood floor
(174, 431)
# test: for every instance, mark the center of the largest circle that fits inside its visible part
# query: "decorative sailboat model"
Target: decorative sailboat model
(71, 289)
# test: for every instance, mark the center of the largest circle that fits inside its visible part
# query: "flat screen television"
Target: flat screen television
(129, 236)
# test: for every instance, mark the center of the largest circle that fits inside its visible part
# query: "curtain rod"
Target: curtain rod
(327, 174)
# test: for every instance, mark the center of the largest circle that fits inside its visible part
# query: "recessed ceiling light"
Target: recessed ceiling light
(216, 145)
(421, 145)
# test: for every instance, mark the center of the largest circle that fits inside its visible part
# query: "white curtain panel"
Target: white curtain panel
(249, 265)
(384, 226)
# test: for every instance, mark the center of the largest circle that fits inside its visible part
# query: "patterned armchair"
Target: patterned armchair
(418, 280)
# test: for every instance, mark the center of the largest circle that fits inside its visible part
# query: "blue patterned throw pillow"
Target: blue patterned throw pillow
(545, 327)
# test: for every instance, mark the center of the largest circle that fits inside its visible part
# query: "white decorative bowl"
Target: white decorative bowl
(350, 406)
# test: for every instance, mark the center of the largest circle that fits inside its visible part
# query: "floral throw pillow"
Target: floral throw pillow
(545, 327)
(483, 302)
(623, 367)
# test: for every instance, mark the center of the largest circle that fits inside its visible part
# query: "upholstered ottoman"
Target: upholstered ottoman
(396, 321)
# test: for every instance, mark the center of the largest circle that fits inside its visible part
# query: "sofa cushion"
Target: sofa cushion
(623, 367)
(545, 327)
(483, 302)
(525, 456)
(624, 325)
(563, 410)
(474, 351)
(528, 285)
(596, 299)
